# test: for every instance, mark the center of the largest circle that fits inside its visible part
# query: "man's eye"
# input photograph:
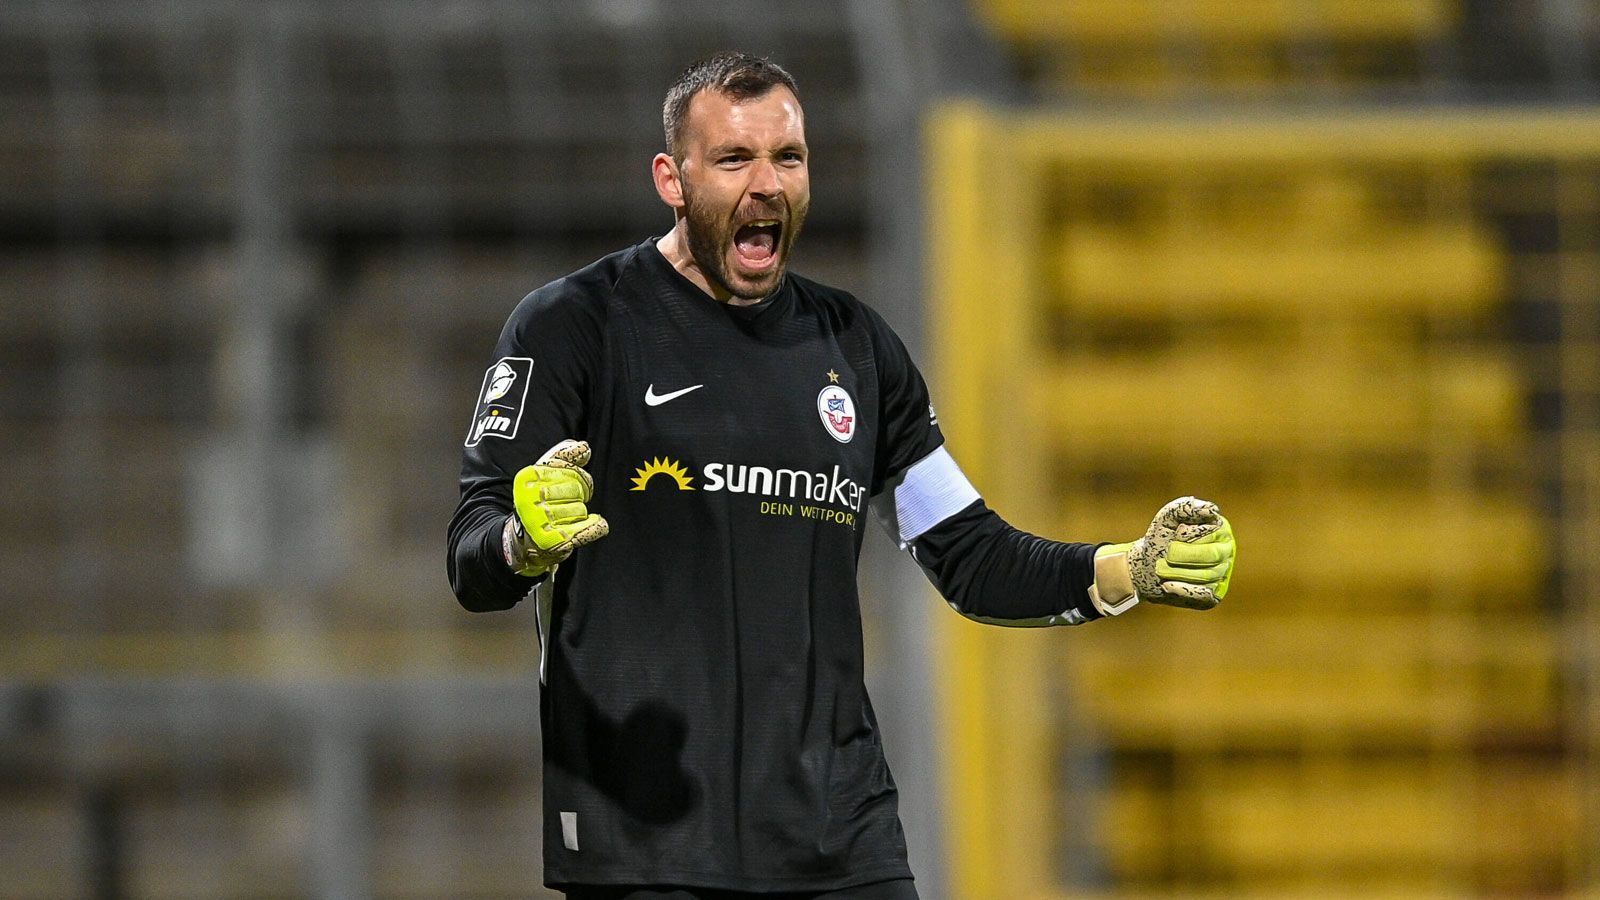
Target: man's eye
(727, 160)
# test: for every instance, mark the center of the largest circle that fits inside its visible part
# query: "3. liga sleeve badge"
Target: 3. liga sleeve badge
(838, 413)
(501, 399)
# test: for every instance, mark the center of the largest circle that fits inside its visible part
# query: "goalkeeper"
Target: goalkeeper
(673, 451)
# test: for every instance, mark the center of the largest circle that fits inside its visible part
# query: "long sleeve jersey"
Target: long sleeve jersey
(705, 721)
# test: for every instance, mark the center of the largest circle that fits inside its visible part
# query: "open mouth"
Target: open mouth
(756, 243)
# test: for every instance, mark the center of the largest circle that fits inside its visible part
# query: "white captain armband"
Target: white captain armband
(929, 491)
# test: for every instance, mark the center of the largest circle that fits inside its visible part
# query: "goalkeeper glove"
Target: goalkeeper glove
(1184, 559)
(551, 519)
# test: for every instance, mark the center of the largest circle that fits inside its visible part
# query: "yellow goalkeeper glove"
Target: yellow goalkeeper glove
(551, 519)
(1184, 559)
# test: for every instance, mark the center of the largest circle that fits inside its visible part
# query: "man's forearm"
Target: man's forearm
(992, 572)
(478, 572)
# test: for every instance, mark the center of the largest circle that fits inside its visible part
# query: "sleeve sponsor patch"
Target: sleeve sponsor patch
(501, 400)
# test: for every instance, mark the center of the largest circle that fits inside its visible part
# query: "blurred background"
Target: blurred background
(1332, 263)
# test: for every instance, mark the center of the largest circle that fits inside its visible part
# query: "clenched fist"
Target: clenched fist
(1184, 559)
(552, 518)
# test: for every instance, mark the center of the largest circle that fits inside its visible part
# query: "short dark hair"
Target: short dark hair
(738, 75)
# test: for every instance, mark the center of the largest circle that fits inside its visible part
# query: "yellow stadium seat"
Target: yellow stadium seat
(1154, 21)
(1174, 679)
(1438, 269)
(1273, 401)
(1378, 814)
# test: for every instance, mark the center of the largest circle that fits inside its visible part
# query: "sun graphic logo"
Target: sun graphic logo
(660, 466)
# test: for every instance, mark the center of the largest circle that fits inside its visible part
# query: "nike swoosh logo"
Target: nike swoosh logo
(651, 398)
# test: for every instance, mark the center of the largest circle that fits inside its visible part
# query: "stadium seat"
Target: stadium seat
(1390, 679)
(1277, 400)
(1134, 21)
(1419, 271)
(1164, 48)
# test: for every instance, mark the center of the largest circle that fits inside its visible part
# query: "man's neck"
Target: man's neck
(674, 245)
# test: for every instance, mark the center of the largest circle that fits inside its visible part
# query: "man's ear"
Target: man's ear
(669, 180)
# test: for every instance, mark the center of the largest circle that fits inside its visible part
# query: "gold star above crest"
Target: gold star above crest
(833, 377)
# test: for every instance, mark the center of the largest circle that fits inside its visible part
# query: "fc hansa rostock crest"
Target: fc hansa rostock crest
(838, 413)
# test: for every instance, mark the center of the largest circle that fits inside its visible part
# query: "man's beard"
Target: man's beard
(711, 238)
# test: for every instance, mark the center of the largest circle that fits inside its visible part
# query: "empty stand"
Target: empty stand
(1315, 335)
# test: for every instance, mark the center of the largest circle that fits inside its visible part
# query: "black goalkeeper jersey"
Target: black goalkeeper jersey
(705, 719)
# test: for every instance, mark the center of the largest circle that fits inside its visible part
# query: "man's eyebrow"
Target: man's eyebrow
(727, 149)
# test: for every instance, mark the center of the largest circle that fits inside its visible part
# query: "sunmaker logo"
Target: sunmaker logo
(832, 488)
(822, 487)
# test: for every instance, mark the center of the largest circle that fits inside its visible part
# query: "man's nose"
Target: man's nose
(764, 180)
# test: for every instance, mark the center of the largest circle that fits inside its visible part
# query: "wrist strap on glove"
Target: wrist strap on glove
(1112, 592)
(519, 549)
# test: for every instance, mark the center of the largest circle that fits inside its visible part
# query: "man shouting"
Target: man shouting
(707, 733)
